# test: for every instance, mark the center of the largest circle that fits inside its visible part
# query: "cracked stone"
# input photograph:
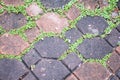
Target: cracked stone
(14, 2)
(114, 62)
(94, 48)
(73, 13)
(92, 71)
(54, 3)
(11, 21)
(12, 44)
(55, 23)
(51, 47)
(93, 25)
(34, 10)
(50, 70)
(71, 77)
(11, 69)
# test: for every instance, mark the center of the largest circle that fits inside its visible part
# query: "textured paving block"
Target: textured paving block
(13, 2)
(31, 58)
(54, 3)
(11, 69)
(113, 77)
(72, 61)
(12, 44)
(113, 38)
(118, 73)
(118, 27)
(50, 70)
(94, 48)
(52, 22)
(29, 76)
(114, 62)
(92, 71)
(93, 25)
(51, 47)
(71, 77)
(73, 34)
(11, 21)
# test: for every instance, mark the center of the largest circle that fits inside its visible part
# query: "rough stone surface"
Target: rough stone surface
(29, 77)
(118, 73)
(32, 34)
(54, 3)
(103, 3)
(73, 34)
(93, 25)
(11, 69)
(92, 71)
(73, 13)
(72, 61)
(113, 38)
(94, 48)
(118, 27)
(12, 44)
(71, 77)
(14, 2)
(54, 23)
(51, 47)
(12, 21)
(114, 62)
(31, 58)
(118, 49)
(50, 70)
(113, 77)
(34, 10)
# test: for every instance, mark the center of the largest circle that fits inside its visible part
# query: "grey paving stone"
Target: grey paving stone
(94, 48)
(29, 77)
(48, 69)
(72, 61)
(118, 73)
(118, 27)
(113, 77)
(11, 69)
(12, 21)
(93, 25)
(51, 47)
(54, 3)
(73, 35)
(113, 38)
(31, 58)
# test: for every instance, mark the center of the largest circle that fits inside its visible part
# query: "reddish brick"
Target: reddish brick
(14, 2)
(12, 44)
(32, 34)
(34, 10)
(73, 13)
(118, 49)
(92, 71)
(114, 62)
(51, 22)
(71, 77)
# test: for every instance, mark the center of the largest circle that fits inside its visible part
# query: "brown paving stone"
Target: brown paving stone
(73, 13)
(118, 49)
(14, 2)
(34, 10)
(114, 62)
(71, 77)
(52, 22)
(12, 44)
(92, 71)
(32, 34)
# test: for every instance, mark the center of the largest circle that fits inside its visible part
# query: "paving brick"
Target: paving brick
(34, 10)
(118, 27)
(94, 48)
(11, 69)
(73, 34)
(118, 73)
(113, 77)
(31, 58)
(73, 13)
(114, 62)
(12, 44)
(51, 47)
(29, 77)
(118, 49)
(50, 70)
(54, 3)
(103, 3)
(93, 25)
(71, 77)
(72, 61)
(32, 34)
(14, 2)
(55, 23)
(12, 21)
(92, 71)
(113, 38)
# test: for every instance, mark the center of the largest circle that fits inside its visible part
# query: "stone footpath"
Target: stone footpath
(42, 61)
